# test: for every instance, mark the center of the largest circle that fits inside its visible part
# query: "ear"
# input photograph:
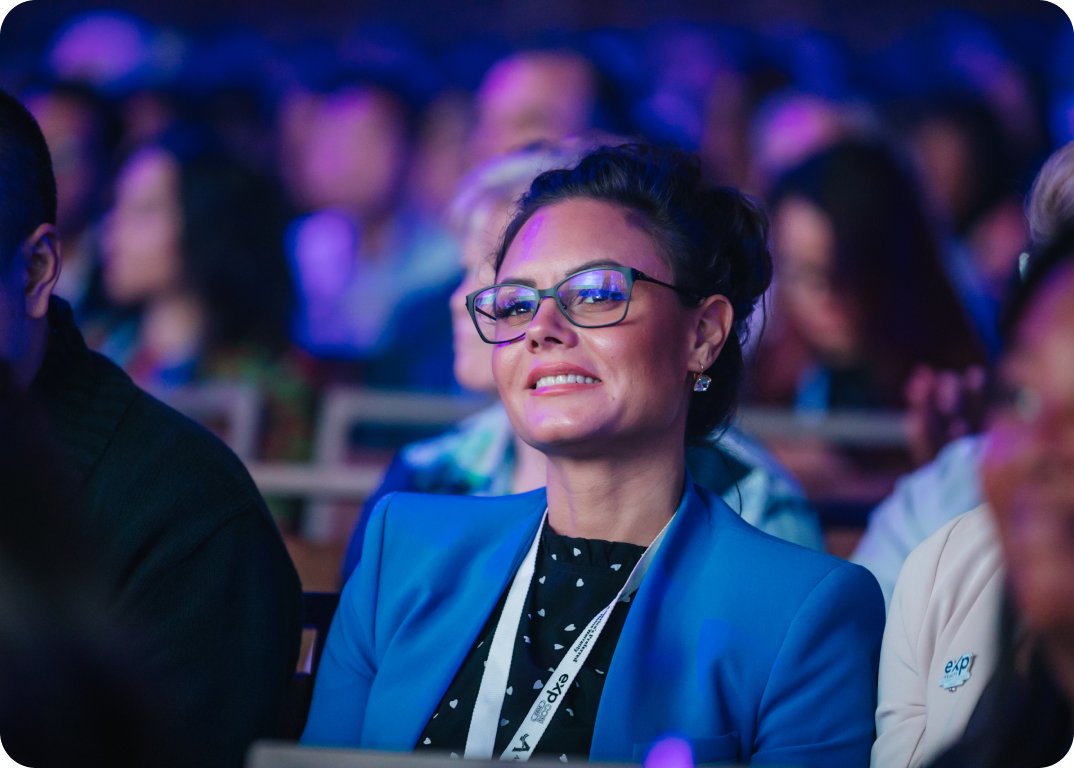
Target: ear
(42, 261)
(714, 318)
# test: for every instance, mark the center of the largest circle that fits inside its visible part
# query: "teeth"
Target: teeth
(571, 378)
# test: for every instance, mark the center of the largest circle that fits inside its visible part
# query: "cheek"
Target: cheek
(507, 359)
(1005, 465)
(1033, 503)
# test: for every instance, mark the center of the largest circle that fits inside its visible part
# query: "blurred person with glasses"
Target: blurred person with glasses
(583, 620)
(484, 456)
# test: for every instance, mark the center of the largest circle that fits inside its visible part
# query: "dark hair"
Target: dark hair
(233, 246)
(1042, 264)
(887, 259)
(714, 238)
(991, 169)
(27, 185)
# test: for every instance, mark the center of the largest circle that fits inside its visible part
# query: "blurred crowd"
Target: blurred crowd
(281, 215)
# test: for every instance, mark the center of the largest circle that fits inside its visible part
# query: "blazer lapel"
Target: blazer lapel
(625, 717)
(457, 628)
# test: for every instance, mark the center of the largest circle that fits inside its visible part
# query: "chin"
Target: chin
(551, 431)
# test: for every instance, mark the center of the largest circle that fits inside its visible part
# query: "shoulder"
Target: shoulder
(945, 555)
(444, 521)
(167, 466)
(779, 572)
(949, 569)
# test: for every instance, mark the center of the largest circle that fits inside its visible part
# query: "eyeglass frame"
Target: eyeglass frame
(631, 274)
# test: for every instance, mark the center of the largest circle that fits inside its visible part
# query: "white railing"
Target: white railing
(329, 478)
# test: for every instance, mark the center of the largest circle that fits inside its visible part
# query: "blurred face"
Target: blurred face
(531, 98)
(355, 153)
(1028, 467)
(804, 247)
(943, 159)
(67, 126)
(639, 368)
(473, 357)
(143, 232)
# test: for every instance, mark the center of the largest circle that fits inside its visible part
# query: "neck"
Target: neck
(25, 368)
(530, 469)
(173, 326)
(628, 498)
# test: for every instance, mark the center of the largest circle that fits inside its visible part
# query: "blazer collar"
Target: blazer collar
(690, 536)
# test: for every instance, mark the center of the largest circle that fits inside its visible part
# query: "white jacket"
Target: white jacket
(946, 605)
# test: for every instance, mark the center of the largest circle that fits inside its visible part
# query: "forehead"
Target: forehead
(559, 238)
(149, 171)
(803, 234)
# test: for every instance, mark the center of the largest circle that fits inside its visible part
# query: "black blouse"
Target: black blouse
(573, 580)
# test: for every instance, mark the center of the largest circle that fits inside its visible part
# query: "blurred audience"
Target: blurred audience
(860, 299)
(484, 456)
(1025, 715)
(884, 298)
(183, 533)
(964, 162)
(194, 244)
(532, 97)
(372, 271)
(860, 283)
(789, 128)
(82, 131)
(945, 407)
(946, 605)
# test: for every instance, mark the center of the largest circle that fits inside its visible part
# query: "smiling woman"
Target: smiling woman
(527, 624)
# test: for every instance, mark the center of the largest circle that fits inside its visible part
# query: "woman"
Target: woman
(483, 455)
(756, 649)
(194, 248)
(860, 282)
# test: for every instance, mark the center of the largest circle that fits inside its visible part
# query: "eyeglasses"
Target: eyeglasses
(593, 298)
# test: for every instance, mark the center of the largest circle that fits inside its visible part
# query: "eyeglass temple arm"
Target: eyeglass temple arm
(639, 275)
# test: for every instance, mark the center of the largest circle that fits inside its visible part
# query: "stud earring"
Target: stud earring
(701, 383)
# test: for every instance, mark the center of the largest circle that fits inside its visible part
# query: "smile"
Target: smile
(570, 378)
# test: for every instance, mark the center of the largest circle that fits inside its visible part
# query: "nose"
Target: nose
(549, 327)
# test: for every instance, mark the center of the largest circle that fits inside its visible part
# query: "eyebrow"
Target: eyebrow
(530, 283)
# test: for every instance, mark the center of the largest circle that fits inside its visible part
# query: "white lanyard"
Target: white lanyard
(481, 740)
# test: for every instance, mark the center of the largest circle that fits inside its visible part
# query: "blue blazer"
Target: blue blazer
(755, 649)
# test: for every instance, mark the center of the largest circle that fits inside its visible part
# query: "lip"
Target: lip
(559, 369)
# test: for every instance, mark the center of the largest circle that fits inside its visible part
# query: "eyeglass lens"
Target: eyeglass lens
(593, 298)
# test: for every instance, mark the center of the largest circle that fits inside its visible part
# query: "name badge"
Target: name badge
(956, 672)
